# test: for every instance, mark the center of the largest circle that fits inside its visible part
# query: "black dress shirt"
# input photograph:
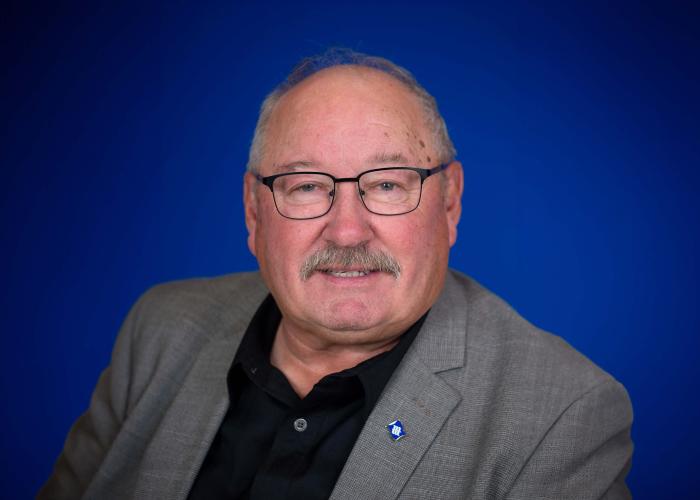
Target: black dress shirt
(272, 444)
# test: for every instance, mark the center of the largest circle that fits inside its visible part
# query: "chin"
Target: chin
(348, 315)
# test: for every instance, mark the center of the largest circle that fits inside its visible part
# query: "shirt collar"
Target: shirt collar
(253, 357)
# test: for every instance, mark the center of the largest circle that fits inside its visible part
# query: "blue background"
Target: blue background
(124, 139)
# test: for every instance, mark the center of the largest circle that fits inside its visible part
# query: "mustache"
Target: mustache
(359, 256)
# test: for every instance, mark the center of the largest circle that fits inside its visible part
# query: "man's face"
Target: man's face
(343, 121)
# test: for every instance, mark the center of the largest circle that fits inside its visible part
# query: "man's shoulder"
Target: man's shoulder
(512, 345)
(524, 412)
(224, 289)
(203, 306)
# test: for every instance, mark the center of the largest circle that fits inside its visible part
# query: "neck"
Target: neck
(304, 360)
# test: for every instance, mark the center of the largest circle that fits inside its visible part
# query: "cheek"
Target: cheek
(410, 241)
(426, 241)
(284, 244)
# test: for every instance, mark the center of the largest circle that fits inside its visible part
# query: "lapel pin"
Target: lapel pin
(396, 430)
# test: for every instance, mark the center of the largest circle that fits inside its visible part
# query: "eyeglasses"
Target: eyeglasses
(383, 191)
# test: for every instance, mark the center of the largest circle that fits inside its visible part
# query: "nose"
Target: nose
(348, 222)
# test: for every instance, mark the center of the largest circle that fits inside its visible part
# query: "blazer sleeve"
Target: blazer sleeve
(586, 453)
(91, 436)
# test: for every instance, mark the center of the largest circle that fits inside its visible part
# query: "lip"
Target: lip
(350, 277)
(349, 273)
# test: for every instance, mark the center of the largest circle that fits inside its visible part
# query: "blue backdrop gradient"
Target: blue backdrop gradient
(125, 132)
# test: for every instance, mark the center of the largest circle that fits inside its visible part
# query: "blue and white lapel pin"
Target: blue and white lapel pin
(396, 430)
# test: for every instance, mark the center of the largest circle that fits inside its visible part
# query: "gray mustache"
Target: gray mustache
(358, 256)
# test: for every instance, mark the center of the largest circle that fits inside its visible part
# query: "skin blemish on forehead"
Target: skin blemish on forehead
(386, 134)
(415, 156)
(428, 158)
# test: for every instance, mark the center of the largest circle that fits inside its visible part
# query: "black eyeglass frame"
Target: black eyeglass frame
(423, 172)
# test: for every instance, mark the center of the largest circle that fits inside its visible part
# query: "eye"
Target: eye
(307, 188)
(385, 186)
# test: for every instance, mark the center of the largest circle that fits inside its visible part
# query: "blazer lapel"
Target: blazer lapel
(378, 466)
(176, 452)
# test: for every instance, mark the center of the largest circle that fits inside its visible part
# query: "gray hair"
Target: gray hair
(337, 57)
(358, 256)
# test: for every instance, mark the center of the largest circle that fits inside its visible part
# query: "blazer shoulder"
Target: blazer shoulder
(228, 287)
(171, 322)
(518, 346)
(201, 303)
(553, 392)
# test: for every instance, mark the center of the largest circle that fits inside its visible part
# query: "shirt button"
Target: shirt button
(300, 425)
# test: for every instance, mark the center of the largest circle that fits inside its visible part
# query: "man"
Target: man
(369, 370)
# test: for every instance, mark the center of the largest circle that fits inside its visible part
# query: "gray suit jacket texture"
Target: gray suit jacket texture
(492, 406)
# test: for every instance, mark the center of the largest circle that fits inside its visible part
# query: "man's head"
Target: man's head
(344, 57)
(352, 276)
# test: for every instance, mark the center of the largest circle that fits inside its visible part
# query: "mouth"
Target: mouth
(346, 274)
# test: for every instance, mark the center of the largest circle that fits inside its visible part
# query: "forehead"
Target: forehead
(345, 115)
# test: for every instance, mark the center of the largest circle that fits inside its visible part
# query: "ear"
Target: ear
(454, 178)
(250, 205)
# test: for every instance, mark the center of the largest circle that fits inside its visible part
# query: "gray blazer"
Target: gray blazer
(492, 406)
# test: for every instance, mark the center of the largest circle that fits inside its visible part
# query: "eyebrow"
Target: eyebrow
(389, 158)
(382, 158)
(293, 165)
